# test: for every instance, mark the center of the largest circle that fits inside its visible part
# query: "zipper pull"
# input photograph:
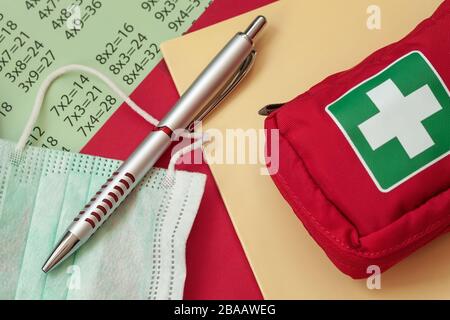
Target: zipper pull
(267, 110)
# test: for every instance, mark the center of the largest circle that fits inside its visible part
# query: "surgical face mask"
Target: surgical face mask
(139, 253)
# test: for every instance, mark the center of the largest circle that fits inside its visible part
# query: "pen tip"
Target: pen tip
(65, 247)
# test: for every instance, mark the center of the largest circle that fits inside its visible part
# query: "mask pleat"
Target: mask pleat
(90, 256)
(42, 232)
(190, 190)
(21, 189)
(77, 193)
(4, 171)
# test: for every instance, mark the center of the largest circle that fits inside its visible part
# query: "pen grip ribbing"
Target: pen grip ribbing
(117, 187)
(107, 199)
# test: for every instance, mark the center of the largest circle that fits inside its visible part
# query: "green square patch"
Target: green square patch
(398, 121)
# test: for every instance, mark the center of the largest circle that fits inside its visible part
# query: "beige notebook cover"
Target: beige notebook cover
(304, 42)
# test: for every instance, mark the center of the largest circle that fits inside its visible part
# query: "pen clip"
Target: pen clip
(229, 86)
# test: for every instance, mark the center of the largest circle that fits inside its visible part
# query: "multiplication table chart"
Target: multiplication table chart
(120, 38)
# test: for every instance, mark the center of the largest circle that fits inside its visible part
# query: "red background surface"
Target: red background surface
(217, 267)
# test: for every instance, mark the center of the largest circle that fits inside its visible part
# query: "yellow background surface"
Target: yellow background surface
(304, 42)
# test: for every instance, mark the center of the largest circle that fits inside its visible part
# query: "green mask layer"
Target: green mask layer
(139, 253)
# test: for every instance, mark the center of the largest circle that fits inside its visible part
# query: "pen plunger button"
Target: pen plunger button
(255, 27)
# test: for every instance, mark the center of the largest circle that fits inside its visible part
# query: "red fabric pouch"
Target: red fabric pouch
(364, 154)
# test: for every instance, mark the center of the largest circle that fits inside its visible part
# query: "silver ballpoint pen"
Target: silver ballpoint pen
(217, 80)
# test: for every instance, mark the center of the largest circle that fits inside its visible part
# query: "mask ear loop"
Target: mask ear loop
(40, 96)
(169, 179)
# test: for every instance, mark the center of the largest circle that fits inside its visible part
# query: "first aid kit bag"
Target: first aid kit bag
(364, 155)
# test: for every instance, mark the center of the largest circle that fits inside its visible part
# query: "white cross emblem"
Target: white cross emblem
(400, 117)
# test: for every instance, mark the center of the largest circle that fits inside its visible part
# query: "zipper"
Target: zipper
(267, 110)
